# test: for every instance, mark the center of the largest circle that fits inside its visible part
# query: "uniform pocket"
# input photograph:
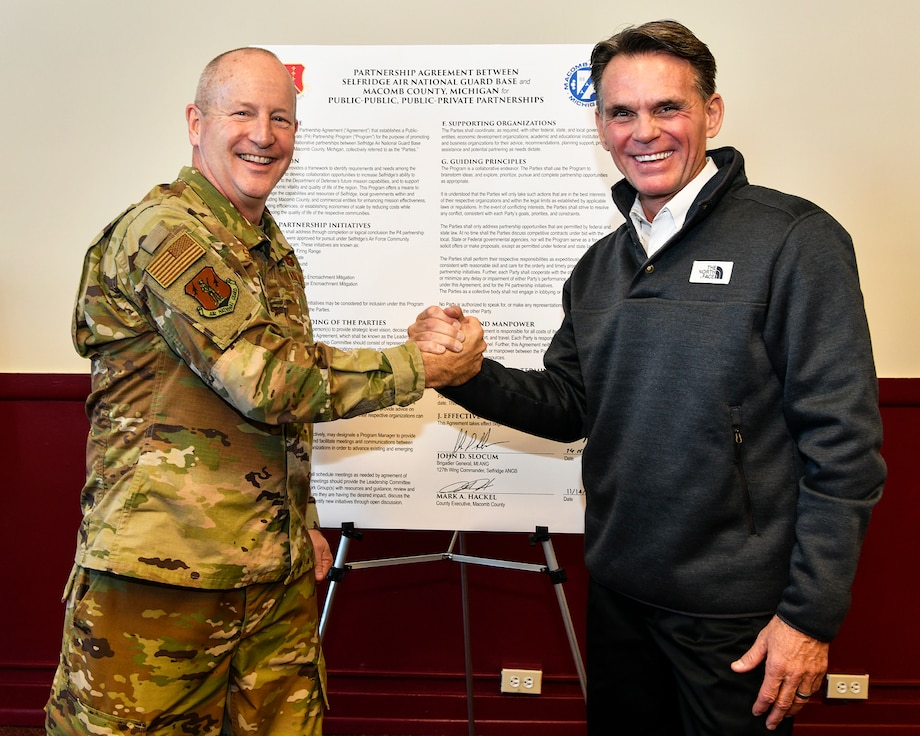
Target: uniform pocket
(75, 706)
(67, 714)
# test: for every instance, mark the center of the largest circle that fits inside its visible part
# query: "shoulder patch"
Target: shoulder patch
(215, 296)
(176, 255)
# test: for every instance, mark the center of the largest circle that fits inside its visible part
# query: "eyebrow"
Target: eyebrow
(667, 102)
(671, 102)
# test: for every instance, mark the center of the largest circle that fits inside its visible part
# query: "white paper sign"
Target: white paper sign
(443, 174)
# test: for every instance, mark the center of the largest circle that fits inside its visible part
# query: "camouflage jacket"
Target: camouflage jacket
(205, 384)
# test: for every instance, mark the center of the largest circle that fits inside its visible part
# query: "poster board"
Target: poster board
(438, 175)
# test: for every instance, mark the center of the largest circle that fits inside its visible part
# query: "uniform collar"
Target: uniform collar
(252, 236)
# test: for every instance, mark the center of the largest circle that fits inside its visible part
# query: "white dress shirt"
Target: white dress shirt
(671, 217)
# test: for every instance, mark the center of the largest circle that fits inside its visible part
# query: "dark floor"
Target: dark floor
(21, 731)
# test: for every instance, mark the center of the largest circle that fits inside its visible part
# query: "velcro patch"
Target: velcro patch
(175, 257)
(152, 240)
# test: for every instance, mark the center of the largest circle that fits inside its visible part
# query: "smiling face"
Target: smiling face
(655, 124)
(242, 128)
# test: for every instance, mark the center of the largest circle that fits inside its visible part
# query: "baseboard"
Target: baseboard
(383, 704)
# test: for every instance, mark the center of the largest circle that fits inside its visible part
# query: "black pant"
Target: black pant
(652, 672)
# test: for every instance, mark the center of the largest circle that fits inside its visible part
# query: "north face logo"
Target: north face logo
(711, 272)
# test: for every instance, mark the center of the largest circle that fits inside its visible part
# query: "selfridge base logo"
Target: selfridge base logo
(711, 272)
(296, 71)
(579, 86)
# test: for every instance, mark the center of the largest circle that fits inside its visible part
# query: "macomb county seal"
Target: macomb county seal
(579, 86)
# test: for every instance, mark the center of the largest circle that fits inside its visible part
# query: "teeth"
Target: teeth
(653, 157)
(255, 159)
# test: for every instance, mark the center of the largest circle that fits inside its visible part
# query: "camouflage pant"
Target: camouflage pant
(142, 657)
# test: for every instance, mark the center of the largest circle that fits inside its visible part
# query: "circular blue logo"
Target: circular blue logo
(579, 86)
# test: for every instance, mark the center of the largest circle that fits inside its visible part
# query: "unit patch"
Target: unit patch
(216, 296)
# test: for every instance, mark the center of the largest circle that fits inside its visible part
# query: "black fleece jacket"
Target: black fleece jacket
(727, 391)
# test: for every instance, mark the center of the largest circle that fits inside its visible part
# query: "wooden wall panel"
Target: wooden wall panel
(394, 637)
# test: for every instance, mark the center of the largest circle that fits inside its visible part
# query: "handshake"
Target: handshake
(452, 345)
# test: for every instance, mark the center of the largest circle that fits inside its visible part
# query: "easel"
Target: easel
(556, 574)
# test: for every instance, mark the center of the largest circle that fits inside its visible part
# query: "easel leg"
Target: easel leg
(337, 572)
(467, 644)
(557, 575)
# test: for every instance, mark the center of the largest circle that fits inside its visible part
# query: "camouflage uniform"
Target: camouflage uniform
(140, 657)
(205, 385)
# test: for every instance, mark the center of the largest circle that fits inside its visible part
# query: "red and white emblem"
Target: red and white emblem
(216, 296)
(296, 71)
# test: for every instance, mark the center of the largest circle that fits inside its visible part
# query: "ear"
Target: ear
(600, 129)
(193, 119)
(715, 112)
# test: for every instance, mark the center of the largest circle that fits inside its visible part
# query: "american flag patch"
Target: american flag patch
(181, 253)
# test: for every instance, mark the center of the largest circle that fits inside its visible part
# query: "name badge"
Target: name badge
(711, 272)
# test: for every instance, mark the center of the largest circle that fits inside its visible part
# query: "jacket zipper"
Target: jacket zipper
(739, 462)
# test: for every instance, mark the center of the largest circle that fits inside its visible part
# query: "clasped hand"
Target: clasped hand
(452, 345)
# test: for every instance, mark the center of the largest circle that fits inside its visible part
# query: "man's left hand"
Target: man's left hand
(795, 668)
(322, 554)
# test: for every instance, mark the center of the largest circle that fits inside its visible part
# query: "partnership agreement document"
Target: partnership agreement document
(467, 175)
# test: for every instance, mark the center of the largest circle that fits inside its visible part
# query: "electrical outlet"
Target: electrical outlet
(522, 681)
(849, 687)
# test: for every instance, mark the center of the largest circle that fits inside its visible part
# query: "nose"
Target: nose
(645, 128)
(262, 133)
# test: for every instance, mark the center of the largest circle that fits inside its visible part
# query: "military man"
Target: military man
(192, 604)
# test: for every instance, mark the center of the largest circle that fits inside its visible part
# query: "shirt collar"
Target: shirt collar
(679, 205)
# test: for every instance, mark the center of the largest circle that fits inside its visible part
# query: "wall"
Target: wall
(394, 636)
(96, 89)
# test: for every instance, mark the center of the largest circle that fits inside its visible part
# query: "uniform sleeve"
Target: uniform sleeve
(311, 515)
(256, 351)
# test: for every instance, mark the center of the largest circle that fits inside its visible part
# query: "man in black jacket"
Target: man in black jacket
(714, 351)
